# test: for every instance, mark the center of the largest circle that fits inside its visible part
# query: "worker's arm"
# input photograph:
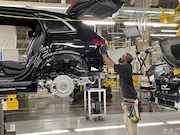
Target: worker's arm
(109, 62)
(106, 58)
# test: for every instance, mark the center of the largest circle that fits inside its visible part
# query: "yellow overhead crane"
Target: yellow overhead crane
(171, 18)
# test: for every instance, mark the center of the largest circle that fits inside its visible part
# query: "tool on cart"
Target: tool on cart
(96, 106)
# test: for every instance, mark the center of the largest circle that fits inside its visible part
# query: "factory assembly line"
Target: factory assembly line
(63, 54)
(63, 58)
(61, 51)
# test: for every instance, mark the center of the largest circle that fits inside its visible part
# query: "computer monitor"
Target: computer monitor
(131, 32)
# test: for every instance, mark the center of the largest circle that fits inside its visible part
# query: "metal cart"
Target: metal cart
(89, 105)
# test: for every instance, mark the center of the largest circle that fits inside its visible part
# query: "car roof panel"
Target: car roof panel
(22, 16)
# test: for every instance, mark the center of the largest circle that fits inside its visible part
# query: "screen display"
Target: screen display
(131, 32)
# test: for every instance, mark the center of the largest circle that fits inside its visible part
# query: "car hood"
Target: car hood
(170, 51)
(97, 8)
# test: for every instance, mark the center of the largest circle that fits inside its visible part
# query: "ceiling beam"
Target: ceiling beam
(55, 7)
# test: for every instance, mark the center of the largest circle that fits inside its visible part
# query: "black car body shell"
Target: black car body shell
(164, 76)
(51, 47)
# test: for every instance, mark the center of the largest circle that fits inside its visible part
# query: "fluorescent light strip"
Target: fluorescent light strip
(153, 24)
(161, 25)
(173, 31)
(163, 35)
(98, 22)
(142, 11)
(45, 7)
(65, 8)
(12, 5)
(148, 11)
(117, 37)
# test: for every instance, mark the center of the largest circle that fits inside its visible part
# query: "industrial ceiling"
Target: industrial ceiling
(129, 3)
(133, 10)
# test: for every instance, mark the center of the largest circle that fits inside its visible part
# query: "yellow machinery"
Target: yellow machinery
(107, 82)
(11, 102)
(171, 18)
(135, 81)
(176, 72)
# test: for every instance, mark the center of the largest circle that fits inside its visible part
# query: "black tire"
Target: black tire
(79, 96)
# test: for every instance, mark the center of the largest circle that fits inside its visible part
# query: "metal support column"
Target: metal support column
(1, 119)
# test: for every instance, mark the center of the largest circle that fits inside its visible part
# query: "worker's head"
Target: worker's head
(126, 58)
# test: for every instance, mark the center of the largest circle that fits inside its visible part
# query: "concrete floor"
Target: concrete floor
(45, 114)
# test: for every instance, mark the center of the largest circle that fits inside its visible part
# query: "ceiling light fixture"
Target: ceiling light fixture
(45, 7)
(171, 31)
(12, 5)
(116, 37)
(146, 10)
(163, 35)
(152, 24)
(142, 11)
(99, 22)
